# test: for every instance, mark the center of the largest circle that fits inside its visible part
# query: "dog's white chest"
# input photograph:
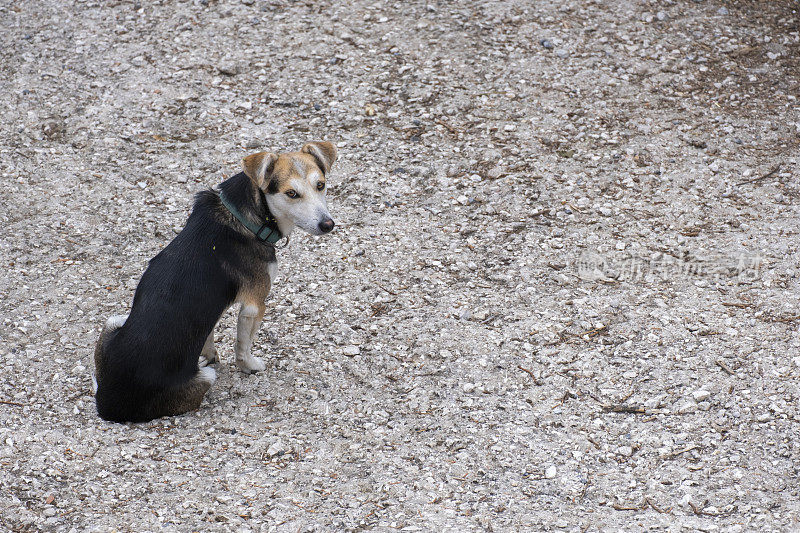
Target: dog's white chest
(272, 271)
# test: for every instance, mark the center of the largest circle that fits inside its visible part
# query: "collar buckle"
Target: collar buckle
(269, 236)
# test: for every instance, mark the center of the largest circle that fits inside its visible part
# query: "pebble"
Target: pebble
(277, 448)
(52, 129)
(49, 511)
(563, 54)
(546, 44)
(685, 406)
(700, 395)
(351, 350)
(764, 417)
(550, 473)
(228, 69)
(723, 11)
(661, 16)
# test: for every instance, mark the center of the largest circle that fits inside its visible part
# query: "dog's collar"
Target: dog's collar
(267, 232)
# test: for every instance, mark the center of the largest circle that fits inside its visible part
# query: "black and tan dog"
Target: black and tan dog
(152, 363)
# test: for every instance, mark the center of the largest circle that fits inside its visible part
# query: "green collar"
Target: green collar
(266, 232)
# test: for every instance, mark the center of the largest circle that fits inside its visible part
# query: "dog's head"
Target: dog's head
(295, 185)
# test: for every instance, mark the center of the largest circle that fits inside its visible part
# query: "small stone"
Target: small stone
(723, 11)
(468, 387)
(495, 173)
(509, 127)
(661, 16)
(697, 143)
(453, 170)
(369, 110)
(49, 511)
(228, 69)
(625, 451)
(563, 54)
(277, 448)
(550, 473)
(653, 403)
(700, 395)
(764, 417)
(546, 44)
(351, 350)
(52, 129)
(605, 211)
(685, 407)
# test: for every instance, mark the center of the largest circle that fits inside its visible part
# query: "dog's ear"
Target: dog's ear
(259, 166)
(324, 152)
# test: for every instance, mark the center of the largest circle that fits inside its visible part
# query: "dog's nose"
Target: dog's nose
(326, 225)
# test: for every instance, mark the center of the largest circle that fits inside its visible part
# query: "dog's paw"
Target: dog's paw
(209, 375)
(207, 357)
(251, 365)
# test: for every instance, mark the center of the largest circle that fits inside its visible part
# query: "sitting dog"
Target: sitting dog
(152, 363)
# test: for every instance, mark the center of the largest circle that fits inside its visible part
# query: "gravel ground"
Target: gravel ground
(562, 292)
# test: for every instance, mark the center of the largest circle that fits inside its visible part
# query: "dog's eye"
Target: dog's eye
(291, 193)
(320, 185)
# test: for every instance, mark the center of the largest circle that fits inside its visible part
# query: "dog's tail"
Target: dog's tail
(112, 324)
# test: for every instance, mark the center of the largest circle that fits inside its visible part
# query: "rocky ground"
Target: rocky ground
(562, 293)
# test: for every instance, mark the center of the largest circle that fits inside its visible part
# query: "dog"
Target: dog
(154, 361)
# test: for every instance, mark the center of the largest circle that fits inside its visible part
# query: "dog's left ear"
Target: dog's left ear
(259, 166)
(324, 152)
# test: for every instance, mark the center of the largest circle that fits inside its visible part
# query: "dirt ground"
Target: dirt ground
(562, 293)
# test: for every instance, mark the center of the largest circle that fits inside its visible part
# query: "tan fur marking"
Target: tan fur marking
(295, 165)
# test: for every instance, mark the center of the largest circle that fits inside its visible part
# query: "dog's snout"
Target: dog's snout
(326, 225)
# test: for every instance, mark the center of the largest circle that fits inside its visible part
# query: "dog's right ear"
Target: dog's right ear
(259, 166)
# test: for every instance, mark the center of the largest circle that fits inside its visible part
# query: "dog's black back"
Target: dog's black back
(147, 367)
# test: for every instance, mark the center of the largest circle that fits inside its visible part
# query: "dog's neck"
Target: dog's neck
(248, 205)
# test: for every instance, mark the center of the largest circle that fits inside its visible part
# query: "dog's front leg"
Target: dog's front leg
(209, 353)
(250, 317)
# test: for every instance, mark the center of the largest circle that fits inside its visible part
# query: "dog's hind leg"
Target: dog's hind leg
(116, 322)
(250, 317)
(185, 397)
(113, 323)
